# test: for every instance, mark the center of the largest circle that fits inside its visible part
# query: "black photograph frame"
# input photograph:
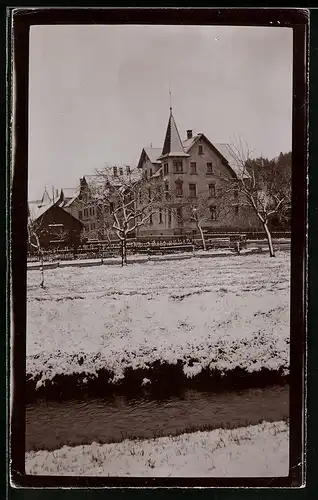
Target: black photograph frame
(296, 19)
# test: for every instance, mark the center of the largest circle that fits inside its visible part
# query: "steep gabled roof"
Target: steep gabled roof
(36, 212)
(46, 199)
(223, 150)
(152, 154)
(172, 145)
(188, 143)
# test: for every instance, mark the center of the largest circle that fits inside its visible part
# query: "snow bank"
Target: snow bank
(255, 451)
(208, 314)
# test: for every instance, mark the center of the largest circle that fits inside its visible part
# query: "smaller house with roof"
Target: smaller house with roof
(54, 226)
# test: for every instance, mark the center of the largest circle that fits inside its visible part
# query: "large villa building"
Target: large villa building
(194, 172)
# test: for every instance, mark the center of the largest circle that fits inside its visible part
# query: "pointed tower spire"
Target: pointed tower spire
(46, 199)
(172, 145)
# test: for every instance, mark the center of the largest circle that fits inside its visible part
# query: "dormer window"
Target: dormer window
(200, 149)
(121, 171)
(150, 173)
(165, 169)
(128, 170)
(115, 171)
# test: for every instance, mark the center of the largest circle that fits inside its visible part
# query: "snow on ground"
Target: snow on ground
(222, 313)
(255, 451)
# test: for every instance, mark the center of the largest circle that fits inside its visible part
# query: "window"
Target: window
(115, 171)
(165, 168)
(150, 220)
(93, 226)
(209, 168)
(211, 190)
(179, 216)
(80, 215)
(167, 191)
(236, 209)
(111, 207)
(236, 194)
(169, 217)
(213, 212)
(145, 175)
(149, 194)
(128, 170)
(150, 173)
(200, 149)
(179, 189)
(192, 190)
(193, 168)
(160, 216)
(140, 197)
(85, 212)
(177, 167)
(121, 171)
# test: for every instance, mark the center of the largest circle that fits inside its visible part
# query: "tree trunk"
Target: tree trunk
(42, 269)
(122, 252)
(202, 236)
(125, 249)
(39, 249)
(269, 240)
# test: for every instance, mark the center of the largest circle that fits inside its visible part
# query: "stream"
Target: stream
(53, 424)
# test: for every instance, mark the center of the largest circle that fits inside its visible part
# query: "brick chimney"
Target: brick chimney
(189, 134)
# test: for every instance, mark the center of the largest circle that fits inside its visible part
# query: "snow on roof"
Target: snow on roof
(70, 192)
(188, 143)
(153, 154)
(35, 211)
(158, 172)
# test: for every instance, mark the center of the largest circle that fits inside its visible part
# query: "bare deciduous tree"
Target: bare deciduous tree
(34, 234)
(265, 187)
(195, 210)
(124, 203)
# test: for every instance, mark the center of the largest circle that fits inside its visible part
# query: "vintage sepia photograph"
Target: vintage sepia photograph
(158, 299)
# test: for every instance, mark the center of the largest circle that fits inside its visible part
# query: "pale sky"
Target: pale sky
(99, 94)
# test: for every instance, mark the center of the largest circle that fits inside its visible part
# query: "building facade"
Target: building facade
(194, 172)
(53, 226)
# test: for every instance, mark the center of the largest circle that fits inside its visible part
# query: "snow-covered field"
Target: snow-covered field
(256, 451)
(218, 313)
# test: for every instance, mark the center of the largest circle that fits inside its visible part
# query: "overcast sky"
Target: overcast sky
(99, 94)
